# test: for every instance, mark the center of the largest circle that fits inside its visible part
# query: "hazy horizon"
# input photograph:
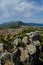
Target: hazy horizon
(28, 11)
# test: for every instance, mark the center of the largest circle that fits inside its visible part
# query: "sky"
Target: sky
(28, 11)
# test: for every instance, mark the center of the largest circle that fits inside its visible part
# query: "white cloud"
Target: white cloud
(16, 7)
(28, 14)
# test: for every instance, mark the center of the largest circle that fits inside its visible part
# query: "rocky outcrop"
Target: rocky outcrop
(29, 53)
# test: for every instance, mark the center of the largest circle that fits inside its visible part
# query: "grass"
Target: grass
(41, 55)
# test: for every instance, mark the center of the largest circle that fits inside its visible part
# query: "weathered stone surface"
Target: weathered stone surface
(36, 43)
(31, 49)
(24, 54)
(25, 40)
(16, 41)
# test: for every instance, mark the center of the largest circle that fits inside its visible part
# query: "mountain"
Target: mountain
(11, 24)
(16, 24)
(35, 24)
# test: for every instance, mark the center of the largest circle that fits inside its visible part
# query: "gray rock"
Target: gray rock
(25, 40)
(31, 49)
(16, 41)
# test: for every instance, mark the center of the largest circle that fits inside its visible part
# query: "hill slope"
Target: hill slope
(16, 24)
(11, 24)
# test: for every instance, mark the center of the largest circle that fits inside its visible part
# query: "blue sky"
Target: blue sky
(30, 11)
